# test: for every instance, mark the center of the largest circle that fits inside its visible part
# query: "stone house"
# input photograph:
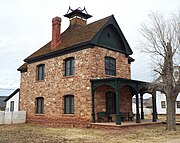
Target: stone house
(80, 72)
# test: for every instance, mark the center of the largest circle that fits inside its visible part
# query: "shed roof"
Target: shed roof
(12, 94)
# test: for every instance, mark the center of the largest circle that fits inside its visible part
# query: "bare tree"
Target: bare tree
(162, 41)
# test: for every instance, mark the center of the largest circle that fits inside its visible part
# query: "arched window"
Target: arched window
(111, 102)
(69, 66)
(69, 104)
(40, 72)
(110, 66)
(39, 105)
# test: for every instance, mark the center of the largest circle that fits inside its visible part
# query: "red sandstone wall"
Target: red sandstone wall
(125, 99)
(89, 64)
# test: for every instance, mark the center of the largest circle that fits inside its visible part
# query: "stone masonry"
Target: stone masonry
(89, 64)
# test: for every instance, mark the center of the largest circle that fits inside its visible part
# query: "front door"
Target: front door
(111, 102)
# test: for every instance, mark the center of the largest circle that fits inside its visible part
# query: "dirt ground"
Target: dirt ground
(24, 133)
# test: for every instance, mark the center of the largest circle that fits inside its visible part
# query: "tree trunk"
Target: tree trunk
(170, 114)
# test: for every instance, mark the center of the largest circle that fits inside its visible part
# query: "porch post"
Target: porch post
(142, 110)
(93, 113)
(154, 107)
(137, 110)
(118, 119)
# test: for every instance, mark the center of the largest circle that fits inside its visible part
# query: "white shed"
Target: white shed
(12, 101)
(161, 98)
(162, 103)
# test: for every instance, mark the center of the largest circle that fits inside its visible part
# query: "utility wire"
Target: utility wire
(7, 89)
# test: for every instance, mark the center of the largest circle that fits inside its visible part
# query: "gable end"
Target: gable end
(110, 36)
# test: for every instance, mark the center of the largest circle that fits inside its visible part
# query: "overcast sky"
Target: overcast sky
(25, 26)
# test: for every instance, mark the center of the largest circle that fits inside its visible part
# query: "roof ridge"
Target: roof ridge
(107, 17)
(81, 26)
(72, 36)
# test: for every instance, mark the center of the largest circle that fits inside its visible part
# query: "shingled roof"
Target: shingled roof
(23, 68)
(75, 36)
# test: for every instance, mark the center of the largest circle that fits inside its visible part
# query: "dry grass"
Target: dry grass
(163, 117)
(25, 133)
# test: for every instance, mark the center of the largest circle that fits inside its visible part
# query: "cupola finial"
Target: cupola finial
(77, 12)
(78, 16)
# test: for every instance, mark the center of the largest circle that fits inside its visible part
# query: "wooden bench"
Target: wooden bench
(101, 116)
(126, 115)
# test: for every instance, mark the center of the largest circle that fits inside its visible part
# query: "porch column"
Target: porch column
(93, 113)
(154, 107)
(137, 110)
(118, 119)
(142, 110)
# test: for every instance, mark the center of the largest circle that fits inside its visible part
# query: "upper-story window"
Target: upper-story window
(39, 105)
(110, 66)
(69, 66)
(40, 72)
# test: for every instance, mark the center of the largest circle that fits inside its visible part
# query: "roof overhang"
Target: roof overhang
(117, 83)
(11, 95)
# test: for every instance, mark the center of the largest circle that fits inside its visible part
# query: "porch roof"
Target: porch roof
(116, 83)
(136, 86)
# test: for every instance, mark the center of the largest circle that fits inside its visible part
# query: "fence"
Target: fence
(147, 111)
(15, 117)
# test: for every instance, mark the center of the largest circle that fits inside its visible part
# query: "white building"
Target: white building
(161, 98)
(162, 103)
(12, 101)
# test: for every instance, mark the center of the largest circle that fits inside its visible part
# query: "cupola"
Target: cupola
(78, 16)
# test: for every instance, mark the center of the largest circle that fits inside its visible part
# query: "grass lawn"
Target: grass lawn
(27, 133)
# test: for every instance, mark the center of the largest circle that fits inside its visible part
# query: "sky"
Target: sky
(25, 26)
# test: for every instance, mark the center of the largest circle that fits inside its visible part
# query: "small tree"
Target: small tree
(162, 41)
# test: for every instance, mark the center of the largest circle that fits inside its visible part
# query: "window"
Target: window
(69, 104)
(12, 106)
(40, 72)
(69, 66)
(108, 35)
(39, 105)
(111, 102)
(163, 104)
(178, 104)
(110, 66)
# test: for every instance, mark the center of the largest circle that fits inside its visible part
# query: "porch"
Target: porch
(127, 124)
(114, 96)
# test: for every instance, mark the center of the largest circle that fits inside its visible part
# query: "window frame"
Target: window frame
(12, 106)
(40, 72)
(39, 105)
(111, 102)
(69, 66)
(163, 104)
(178, 104)
(69, 108)
(110, 66)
